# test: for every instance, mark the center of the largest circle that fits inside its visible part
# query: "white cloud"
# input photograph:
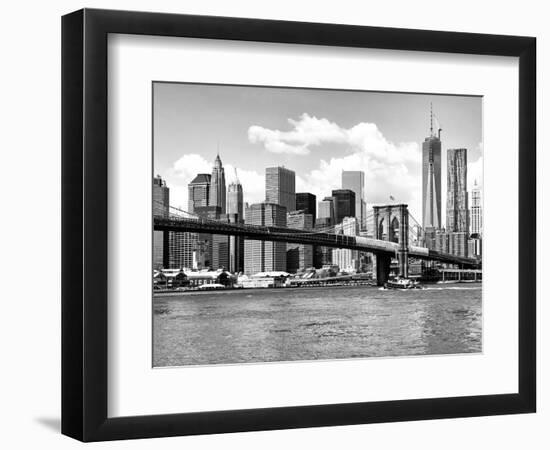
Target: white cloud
(390, 169)
(307, 132)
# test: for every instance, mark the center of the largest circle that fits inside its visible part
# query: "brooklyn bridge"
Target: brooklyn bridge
(391, 238)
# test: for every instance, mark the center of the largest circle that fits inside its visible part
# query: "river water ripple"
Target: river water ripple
(244, 326)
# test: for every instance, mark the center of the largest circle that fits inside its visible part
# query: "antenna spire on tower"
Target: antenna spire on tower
(431, 120)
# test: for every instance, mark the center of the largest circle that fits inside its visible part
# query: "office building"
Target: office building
(354, 180)
(280, 187)
(217, 186)
(307, 202)
(217, 248)
(235, 199)
(198, 192)
(457, 195)
(474, 247)
(344, 204)
(161, 205)
(347, 260)
(325, 213)
(235, 214)
(181, 250)
(264, 256)
(458, 243)
(299, 257)
(476, 211)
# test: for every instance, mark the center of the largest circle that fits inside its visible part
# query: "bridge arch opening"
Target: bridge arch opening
(394, 230)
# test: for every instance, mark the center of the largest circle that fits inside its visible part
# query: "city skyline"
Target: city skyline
(316, 133)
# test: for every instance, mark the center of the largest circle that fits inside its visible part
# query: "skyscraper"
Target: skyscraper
(346, 259)
(431, 179)
(306, 202)
(354, 180)
(161, 203)
(198, 192)
(326, 217)
(457, 195)
(299, 257)
(264, 256)
(280, 187)
(235, 198)
(344, 204)
(182, 246)
(235, 214)
(218, 245)
(217, 185)
(476, 211)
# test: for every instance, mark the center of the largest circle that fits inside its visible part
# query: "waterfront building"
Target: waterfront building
(457, 195)
(235, 214)
(280, 187)
(307, 202)
(347, 260)
(299, 257)
(476, 211)
(264, 256)
(198, 192)
(431, 179)
(354, 180)
(344, 204)
(217, 186)
(161, 204)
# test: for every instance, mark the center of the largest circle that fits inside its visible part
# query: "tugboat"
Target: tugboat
(402, 283)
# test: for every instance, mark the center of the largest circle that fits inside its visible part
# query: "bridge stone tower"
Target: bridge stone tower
(391, 223)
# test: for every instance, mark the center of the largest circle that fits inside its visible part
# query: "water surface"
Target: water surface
(261, 325)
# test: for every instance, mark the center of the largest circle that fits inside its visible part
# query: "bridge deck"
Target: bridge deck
(293, 236)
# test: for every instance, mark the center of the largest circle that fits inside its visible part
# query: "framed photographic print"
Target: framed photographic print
(273, 224)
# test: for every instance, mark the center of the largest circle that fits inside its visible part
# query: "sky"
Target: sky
(315, 132)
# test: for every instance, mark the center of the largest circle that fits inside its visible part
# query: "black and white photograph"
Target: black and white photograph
(301, 224)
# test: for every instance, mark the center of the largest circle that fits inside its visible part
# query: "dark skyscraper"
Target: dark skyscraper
(307, 202)
(457, 195)
(344, 204)
(431, 179)
(198, 192)
(280, 187)
(217, 185)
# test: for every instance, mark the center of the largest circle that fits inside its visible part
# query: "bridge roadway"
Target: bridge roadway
(293, 236)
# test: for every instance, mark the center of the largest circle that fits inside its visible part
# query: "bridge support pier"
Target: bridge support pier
(403, 258)
(381, 269)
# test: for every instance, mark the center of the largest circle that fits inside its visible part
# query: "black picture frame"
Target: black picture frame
(84, 224)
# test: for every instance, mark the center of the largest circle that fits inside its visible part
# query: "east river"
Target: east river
(299, 324)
